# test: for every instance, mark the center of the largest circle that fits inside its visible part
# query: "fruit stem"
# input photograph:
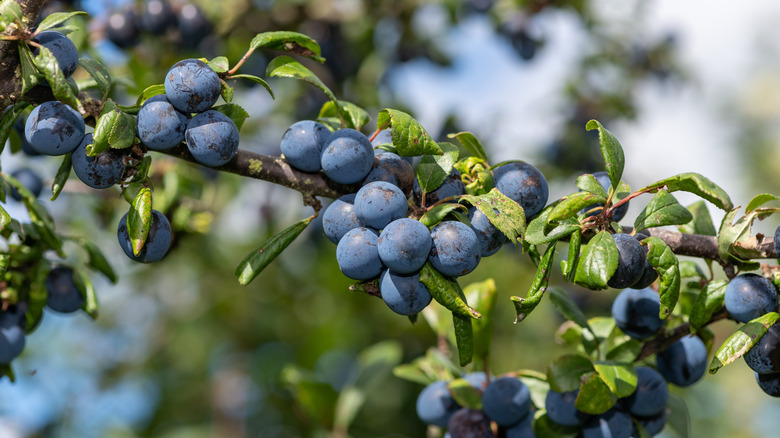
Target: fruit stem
(241, 62)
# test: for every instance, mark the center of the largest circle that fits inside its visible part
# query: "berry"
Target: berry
(490, 238)
(193, 25)
(404, 245)
(653, 425)
(26, 148)
(764, 356)
(769, 383)
(506, 401)
(12, 336)
(158, 241)
(777, 242)
(157, 17)
(614, 423)
(561, 410)
(192, 86)
(649, 274)
(101, 171)
(121, 29)
(631, 262)
(403, 294)
(357, 256)
(347, 156)
(452, 186)
(29, 179)
(651, 393)
(749, 296)
(160, 125)
(340, 217)
(636, 312)
(212, 138)
(393, 169)
(469, 423)
(683, 362)
(523, 429)
(454, 249)
(302, 145)
(477, 379)
(61, 47)
(379, 203)
(524, 184)
(54, 128)
(63, 294)
(435, 404)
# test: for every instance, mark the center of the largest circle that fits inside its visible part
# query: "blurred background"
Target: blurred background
(181, 350)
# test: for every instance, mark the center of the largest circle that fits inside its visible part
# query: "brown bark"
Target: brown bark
(10, 73)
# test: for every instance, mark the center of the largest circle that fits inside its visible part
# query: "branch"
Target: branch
(10, 72)
(665, 339)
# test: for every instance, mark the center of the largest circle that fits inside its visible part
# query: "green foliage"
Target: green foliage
(741, 341)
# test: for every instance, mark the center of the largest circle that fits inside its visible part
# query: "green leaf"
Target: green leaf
(256, 80)
(62, 176)
(97, 261)
(625, 351)
(611, 151)
(56, 18)
(524, 306)
(571, 205)
(257, 260)
(7, 371)
(150, 91)
(139, 219)
(286, 67)
(10, 12)
(464, 338)
(696, 184)
(30, 75)
(730, 236)
(226, 91)
(47, 65)
(439, 212)
(597, 262)
(115, 129)
(568, 266)
(568, 308)
(504, 213)
(98, 72)
(662, 210)
(236, 113)
(545, 428)
(40, 218)
(84, 284)
(595, 397)
(433, 170)
(5, 218)
(588, 183)
(741, 341)
(475, 174)
(679, 419)
(709, 300)
(464, 394)
(219, 64)
(690, 269)
(537, 233)
(620, 377)
(666, 264)
(471, 144)
(483, 296)
(10, 115)
(356, 118)
(760, 200)
(409, 137)
(348, 405)
(565, 372)
(446, 292)
(292, 42)
(701, 223)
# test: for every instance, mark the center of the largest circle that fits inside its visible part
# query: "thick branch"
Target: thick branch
(10, 73)
(665, 339)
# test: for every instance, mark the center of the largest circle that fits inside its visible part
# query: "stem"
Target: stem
(667, 338)
(378, 130)
(241, 62)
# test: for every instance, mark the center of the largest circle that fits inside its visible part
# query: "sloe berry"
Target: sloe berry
(490, 238)
(561, 410)
(379, 203)
(212, 138)
(63, 294)
(61, 47)
(631, 262)
(506, 401)
(683, 362)
(764, 356)
(651, 393)
(524, 184)
(435, 404)
(357, 255)
(403, 294)
(192, 86)
(53, 128)
(347, 156)
(29, 179)
(749, 296)
(302, 145)
(340, 217)
(160, 125)
(404, 245)
(636, 312)
(158, 241)
(452, 186)
(391, 168)
(101, 171)
(454, 248)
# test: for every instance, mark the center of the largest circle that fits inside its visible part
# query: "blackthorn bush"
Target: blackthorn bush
(212, 138)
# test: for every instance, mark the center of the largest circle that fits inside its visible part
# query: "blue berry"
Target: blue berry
(340, 217)
(477, 379)
(452, 186)
(54, 128)
(157, 17)
(649, 274)
(193, 25)
(469, 423)
(357, 255)
(404, 245)
(561, 410)
(764, 356)
(29, 179)
(651, 393)
(302, 145)
(524, 184)
(523, 429)
(403, 294)
(212, 138)
(379, 203)
(101, 171)
(158, 241)
(769, 383)
(777, 242)
(454, 248)
(26, 148)
(160, 126)
(61, 47)
(391, 168)
(614, 423)
(653, 425)
(347, 157)
(122, 30)
(192, 86)
(63, 295)
(12, 336)
(636, 312)
(435, 404)
(506, 401)
(749, 296)
(490, 238)
(683, 362)
(631, 262)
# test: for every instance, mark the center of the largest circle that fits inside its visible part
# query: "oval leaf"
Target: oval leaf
(357, 117)
(709, 300)
(98, 72)
(597, 262)
(57, 18)
(662, 210)
(409, 137)
(666, 264)
(257, 260)
(589, 183)
(439, 212)
(524, 306)
(698, 185)
(139, 219)
(741, 341)
(595, 397)
(433, 170)
(611, 151)
(504, 213)
(464, 338)
(254, 79)
(471, 144)
(62, 176)
(571, 205)
(568, 308)
(702, 221)
(465, 394)
(286, 67)
(620, 377)
(483, 297)
(446, 292)
(564, 374)
(293, 42)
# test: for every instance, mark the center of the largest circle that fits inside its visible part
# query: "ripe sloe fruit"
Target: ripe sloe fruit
(651, 393)
(435, 404)
(212, 138)
(649, 274)
(12, 336)
(561, 410)
(777, 242)
(158, 241)
(636, 312)
(29, 179)
(390, 167)
(160, 125)
(122, 30)
(769, 383)
(683, 362)
(490, 238)
(192, 86)
(101, 171)
(506, 401)
(615, 423)
(357, 256)
(302, 144)
(404, 245)
(26, 148)
(749, 296)
(524, 184)
(477, 379)
(379, 203)
(403, 294)
(63, 295)
(157, 17)
(454, 248)
(53, 128)
(469, 423)
(193, 25)
(631, 262)
(523, 429)
(452, 186)
(347, 157)
(653, 425)
(340, 217)
(61, 47)
(764, 357)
